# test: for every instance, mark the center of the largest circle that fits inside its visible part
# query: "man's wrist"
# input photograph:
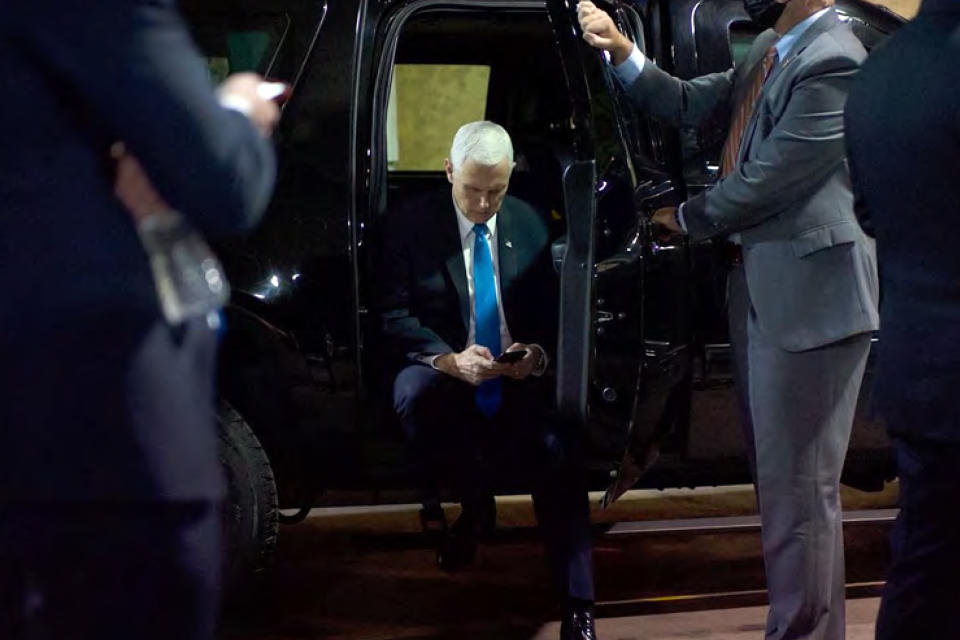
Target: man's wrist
(442, 362)
(678, 219)
(630, 69)
(622, 50)
(236, 102)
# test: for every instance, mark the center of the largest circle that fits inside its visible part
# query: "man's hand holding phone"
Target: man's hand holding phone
(473, 365)
(523, 365)
(511, 357)
(256, 99)
(476, 364)
(245, 92)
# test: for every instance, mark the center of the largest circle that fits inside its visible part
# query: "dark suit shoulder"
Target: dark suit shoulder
(526, 221)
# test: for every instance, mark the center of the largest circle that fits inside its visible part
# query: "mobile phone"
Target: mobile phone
(512, 357)
(276, 91)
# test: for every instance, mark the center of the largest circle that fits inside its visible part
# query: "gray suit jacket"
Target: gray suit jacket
(810, 269)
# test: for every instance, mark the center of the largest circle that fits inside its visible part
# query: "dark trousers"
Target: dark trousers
(103, 572)
(922, 596)
(109, 524)
(457, 444)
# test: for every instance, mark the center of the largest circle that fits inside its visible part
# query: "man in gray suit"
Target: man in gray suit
(802, 300)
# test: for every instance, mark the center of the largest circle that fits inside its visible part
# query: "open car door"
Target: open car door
(575, 253)
(626, 389)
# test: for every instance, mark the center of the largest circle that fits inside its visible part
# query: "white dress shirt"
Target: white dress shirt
(467, 240)
(631, 68)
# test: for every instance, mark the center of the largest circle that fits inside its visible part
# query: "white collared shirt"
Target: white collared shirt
(467, 240)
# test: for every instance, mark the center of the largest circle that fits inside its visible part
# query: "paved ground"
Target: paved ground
(744, 623)
(362, 574)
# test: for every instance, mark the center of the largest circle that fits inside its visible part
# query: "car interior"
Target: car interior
(523, 88)
(452, 67)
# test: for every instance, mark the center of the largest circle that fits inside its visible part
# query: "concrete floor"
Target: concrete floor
(369, 574)
(744, 623)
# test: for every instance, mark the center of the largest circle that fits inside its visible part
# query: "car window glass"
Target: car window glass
(428, 102)
(453, 67)
(742, 35)
(231, 45)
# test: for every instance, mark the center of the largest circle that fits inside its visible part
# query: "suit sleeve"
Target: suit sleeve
(548, 304)
(678, 102)
(404, 335)
(132, 68)
(803, 149)
(859, 202)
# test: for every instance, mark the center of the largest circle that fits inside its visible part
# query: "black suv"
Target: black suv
(644, 362)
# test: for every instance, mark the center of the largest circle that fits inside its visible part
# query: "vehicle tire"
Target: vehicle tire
(249, 517)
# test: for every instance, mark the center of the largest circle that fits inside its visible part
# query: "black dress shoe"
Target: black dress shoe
(434, 523)
(458, 548)
(578, 625)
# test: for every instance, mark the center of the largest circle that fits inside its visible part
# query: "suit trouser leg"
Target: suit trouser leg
(801, 408)
(563, 515)
(529, 446)
(437, 415)
(738, 316)
(921, 597)
(521, 443)
(103, 572)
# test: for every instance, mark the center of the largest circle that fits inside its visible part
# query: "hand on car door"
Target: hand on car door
(600, 31)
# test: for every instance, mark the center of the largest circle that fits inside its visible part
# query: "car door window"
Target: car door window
(231, 44)
(455, 66)
(428, 102)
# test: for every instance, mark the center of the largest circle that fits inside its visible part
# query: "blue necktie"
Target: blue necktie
(489, 393)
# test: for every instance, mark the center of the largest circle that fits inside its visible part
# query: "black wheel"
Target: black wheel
(250, 505)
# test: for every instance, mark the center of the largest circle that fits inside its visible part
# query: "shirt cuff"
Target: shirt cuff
(680, 220)
(233, 102)
(429, 359)
(544, 361)
(631, 68)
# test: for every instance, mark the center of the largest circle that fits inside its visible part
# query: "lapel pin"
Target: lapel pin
(508, 243)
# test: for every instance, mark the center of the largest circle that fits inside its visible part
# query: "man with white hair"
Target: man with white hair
(466, 281)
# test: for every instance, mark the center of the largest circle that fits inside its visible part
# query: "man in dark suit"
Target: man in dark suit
(109, 476)
(803, 291)
(903, 134)
(466, 278)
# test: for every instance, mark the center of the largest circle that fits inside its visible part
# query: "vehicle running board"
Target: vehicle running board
(733, 523)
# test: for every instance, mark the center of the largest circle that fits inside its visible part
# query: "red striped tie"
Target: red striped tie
(744, 111)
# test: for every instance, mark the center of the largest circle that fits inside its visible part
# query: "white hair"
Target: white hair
(484, 142)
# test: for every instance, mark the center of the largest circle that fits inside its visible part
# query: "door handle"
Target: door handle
(656, 247)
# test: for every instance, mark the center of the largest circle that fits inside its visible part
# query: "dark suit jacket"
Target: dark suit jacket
(903, 133)
(77, 76)
(423, 301)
